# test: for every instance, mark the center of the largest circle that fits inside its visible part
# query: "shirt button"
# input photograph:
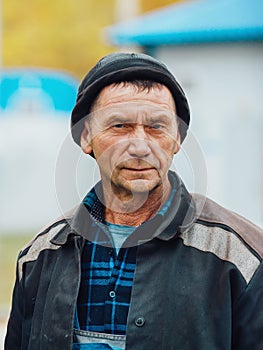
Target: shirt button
(139, 322)
(112, 294)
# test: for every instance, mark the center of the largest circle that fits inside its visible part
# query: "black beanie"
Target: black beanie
(119, 67)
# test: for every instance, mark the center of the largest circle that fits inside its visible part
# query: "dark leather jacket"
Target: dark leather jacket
(198, 283)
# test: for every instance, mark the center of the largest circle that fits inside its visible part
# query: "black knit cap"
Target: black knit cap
(119, 67)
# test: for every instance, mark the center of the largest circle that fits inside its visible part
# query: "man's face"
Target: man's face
(133, 135)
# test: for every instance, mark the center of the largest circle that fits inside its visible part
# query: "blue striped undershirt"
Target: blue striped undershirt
(119, 233)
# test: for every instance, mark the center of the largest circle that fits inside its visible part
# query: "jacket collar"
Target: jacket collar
(182, 212)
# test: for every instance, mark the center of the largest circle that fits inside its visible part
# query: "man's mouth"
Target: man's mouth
(137, 169)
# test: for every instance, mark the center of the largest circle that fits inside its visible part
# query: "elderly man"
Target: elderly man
(141, 264)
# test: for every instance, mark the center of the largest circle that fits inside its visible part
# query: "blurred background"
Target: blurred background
(214, 48)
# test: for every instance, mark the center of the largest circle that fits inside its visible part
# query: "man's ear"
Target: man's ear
(85, 139)
(177, 142)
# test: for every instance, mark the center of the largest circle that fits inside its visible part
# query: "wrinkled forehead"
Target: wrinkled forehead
(153, 97)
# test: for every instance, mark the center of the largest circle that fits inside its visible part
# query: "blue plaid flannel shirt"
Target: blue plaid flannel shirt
(106, 279)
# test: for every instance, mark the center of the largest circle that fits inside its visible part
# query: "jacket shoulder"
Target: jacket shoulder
(212, 214)
(43, 240)
(227, 235)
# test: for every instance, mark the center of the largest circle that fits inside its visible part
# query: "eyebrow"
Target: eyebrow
(129, 119)
(127, 116)
(160, 116)
(116, 118)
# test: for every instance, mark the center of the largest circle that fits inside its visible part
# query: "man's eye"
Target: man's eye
(156, 126)
(118, 126)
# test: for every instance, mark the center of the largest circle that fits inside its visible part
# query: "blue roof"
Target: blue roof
(54, 89)
(193, 21)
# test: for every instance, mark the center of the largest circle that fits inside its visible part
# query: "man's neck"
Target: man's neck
(141, 208)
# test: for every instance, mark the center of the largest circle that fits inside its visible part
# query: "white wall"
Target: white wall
(224, 84)
(42, 172)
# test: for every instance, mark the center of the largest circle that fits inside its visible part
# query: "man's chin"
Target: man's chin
(140, 186)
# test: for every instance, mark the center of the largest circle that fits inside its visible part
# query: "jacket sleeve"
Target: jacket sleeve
(248, 315)
(13, 338)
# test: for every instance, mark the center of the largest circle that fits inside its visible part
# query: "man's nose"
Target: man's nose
(139, 144)
(138, 147)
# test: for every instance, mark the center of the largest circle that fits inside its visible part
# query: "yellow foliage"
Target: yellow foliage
(64, 34)
(148, 5)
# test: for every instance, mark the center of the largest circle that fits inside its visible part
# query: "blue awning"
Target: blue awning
(51, 89)
(193, 21)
